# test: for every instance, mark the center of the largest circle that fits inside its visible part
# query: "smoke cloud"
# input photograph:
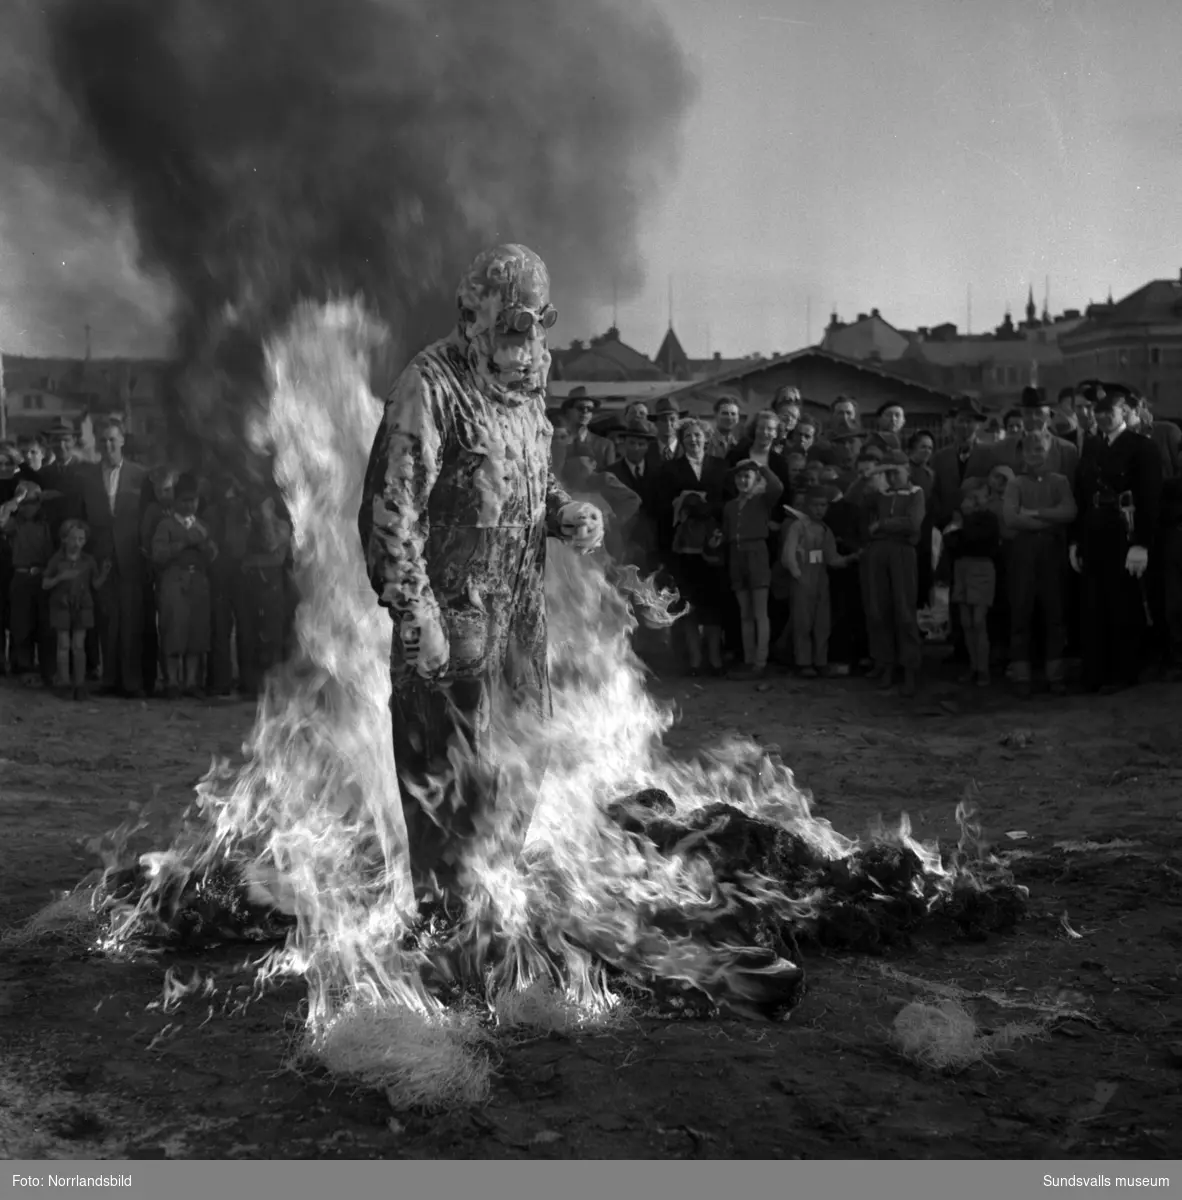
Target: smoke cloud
(268, 152)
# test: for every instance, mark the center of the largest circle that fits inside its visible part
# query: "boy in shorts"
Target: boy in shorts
(973, 538)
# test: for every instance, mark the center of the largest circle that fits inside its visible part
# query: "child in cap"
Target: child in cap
(23, 523)
(182, 551)
(973, 539)
(809, 551)
(71, 579)
(890, 580)
(746, 526)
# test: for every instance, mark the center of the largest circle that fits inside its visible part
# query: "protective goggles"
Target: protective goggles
(522, 320)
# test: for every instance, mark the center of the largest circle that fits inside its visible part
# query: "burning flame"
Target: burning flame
(315, 812)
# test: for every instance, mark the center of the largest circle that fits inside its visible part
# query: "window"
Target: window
(33, 403)
(1155, 356)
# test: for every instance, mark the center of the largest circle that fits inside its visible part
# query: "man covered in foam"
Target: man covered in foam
(459, 499)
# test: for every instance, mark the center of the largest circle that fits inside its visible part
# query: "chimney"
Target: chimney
(861, 316)
(874, 312)
(718, 356)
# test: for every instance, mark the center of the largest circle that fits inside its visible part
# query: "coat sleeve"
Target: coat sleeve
(1063, 511)
(832, 558)
(393, 521)
(909, 522)
(1012, 502)
(164, 549)
(775, 488)
(1147, 474)
(790, 555)
(557, 498)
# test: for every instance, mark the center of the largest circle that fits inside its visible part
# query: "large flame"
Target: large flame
(315, 811)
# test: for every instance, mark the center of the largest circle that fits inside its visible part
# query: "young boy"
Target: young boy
(31, 539)
(70, 579)
(1039, 506)
(973, 539)
(745, 531)
(890, 581)
(809, 551)
(182, 551)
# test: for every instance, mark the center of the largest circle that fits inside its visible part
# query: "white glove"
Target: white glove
(424, 644)
(1073, 558)
(1136, 561)
(581, 525)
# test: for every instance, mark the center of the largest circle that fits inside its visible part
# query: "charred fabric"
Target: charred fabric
(776, 900)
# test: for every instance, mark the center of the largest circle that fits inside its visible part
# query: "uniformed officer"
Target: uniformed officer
(1118, 494)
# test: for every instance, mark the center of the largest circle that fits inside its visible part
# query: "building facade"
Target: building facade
(821, 378)
(1136, 341)
(37, 393)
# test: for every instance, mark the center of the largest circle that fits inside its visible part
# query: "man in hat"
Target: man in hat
(726, 434)
(665, 446)
(635, 471)
(847, 441)
(890, 576)
(1165, 435)
(457, 504)
(1167, 438)
(575, 434)
(61, 474)
(965, 458)
(1037, 414)
(1085, 417)
(1118, 495)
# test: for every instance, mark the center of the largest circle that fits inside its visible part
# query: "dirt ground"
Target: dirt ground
(89, 1067)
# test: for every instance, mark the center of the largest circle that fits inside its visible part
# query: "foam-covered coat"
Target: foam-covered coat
(459, 498)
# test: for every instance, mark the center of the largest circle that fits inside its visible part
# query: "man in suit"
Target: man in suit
(113, 502)
(634, 469)
(577, 411)
(1165, 435)
(966, 458)
(665, 447)
(1118, 497)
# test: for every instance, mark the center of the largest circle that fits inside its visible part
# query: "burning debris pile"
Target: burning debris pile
(263, 188)
(699, 882)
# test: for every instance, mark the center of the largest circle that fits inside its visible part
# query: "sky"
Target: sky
(893, 154)
(850, 154)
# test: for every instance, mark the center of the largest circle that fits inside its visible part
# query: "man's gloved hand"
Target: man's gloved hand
(1074, 558)
(1136, 561)
(581, 525)
(424, 643)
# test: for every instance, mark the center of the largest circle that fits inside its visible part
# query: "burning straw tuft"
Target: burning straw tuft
(418, 1061)
(945, 1036)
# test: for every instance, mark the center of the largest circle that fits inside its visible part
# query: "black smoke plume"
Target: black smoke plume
(276, 150)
